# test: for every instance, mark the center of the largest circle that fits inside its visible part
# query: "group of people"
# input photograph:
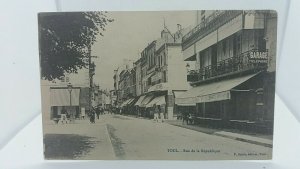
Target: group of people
(69, 117)
(97, 111)
(187, 118)
(158, 113)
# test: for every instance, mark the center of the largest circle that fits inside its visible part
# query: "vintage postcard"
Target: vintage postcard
(160, 85)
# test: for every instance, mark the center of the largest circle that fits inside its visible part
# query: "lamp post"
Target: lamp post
(70, 87)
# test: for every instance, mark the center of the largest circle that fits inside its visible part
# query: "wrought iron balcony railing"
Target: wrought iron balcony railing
(250, 60)
(211, 23)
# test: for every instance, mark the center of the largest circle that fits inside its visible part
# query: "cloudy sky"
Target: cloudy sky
(128, 35)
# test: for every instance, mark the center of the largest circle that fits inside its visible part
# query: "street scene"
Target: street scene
(127, 138)
(176, 85)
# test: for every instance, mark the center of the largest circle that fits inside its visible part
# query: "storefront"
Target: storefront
(226, 102)
(62, 99)
(124, 106)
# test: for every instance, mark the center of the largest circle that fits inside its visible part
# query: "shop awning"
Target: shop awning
(130, 101)
(211, 92)
(178, 93)
(186, 104)
(61, 97)
(138, 103)
(126, 102)
(160, 100)
(146, 100)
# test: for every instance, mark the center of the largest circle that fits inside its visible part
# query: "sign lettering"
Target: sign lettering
(258, 57)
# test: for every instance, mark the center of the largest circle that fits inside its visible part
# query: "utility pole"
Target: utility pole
(90, 78)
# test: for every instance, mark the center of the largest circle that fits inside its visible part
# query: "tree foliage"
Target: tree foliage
(65, 39)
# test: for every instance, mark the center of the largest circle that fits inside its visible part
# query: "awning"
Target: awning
(61, 97)
(130, 101)
(146, 100)
(186, 104)
(138, 103)
(211, 92)
(178, 93)
(126, 102)
(160, 100)
(134, 100)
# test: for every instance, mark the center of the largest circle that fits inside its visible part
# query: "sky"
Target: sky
(128, 35)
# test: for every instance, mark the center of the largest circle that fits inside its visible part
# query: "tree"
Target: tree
(65, 39)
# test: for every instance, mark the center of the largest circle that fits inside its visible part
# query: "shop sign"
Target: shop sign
(258, 57)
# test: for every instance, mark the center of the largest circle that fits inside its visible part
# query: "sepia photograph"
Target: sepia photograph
(158, 85)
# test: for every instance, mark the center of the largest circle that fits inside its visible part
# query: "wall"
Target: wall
(138, 84)
(176, 69)
(271, 42)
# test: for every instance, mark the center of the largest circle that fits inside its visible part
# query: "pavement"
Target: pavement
(258, 139)
(129, 138)
(99, 139)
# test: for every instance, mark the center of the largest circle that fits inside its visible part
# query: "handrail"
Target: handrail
(237, 63)
(215, 20)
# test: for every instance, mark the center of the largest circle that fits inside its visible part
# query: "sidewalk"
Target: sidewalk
(258, 139)
(87, 141)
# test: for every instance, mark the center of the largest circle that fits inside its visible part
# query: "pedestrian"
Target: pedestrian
(161, 114)
(155, 111)
(190, 119)
(98, 112)
(63, 115)
(185, 118)
(82, 113)
(92, 116)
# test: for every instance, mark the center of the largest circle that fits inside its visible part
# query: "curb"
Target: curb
(218, 134)
(230, 137)
(244, 140)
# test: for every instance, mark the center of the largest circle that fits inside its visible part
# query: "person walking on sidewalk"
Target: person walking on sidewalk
(82, 113)
(97, 112)
(63, 116)
(156, 112)
(161, 114)
(92, 116)
(185, 117)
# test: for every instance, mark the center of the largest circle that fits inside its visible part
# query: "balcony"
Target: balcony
(210, 24)
(250, 61)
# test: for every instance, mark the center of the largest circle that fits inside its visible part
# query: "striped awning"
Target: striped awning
(146, 101)
(160, 100)
(126, 102)
(138, 103)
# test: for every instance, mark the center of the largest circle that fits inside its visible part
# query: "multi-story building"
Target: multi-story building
(121, 81)
(234, 78)
(163, 73)
(138, 77)
(113, 98)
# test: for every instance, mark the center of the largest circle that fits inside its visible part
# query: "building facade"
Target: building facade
(234, 77)
(70, 92)
(162, 74)
(122, 81)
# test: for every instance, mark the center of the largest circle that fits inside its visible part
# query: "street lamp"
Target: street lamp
(70, 87)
